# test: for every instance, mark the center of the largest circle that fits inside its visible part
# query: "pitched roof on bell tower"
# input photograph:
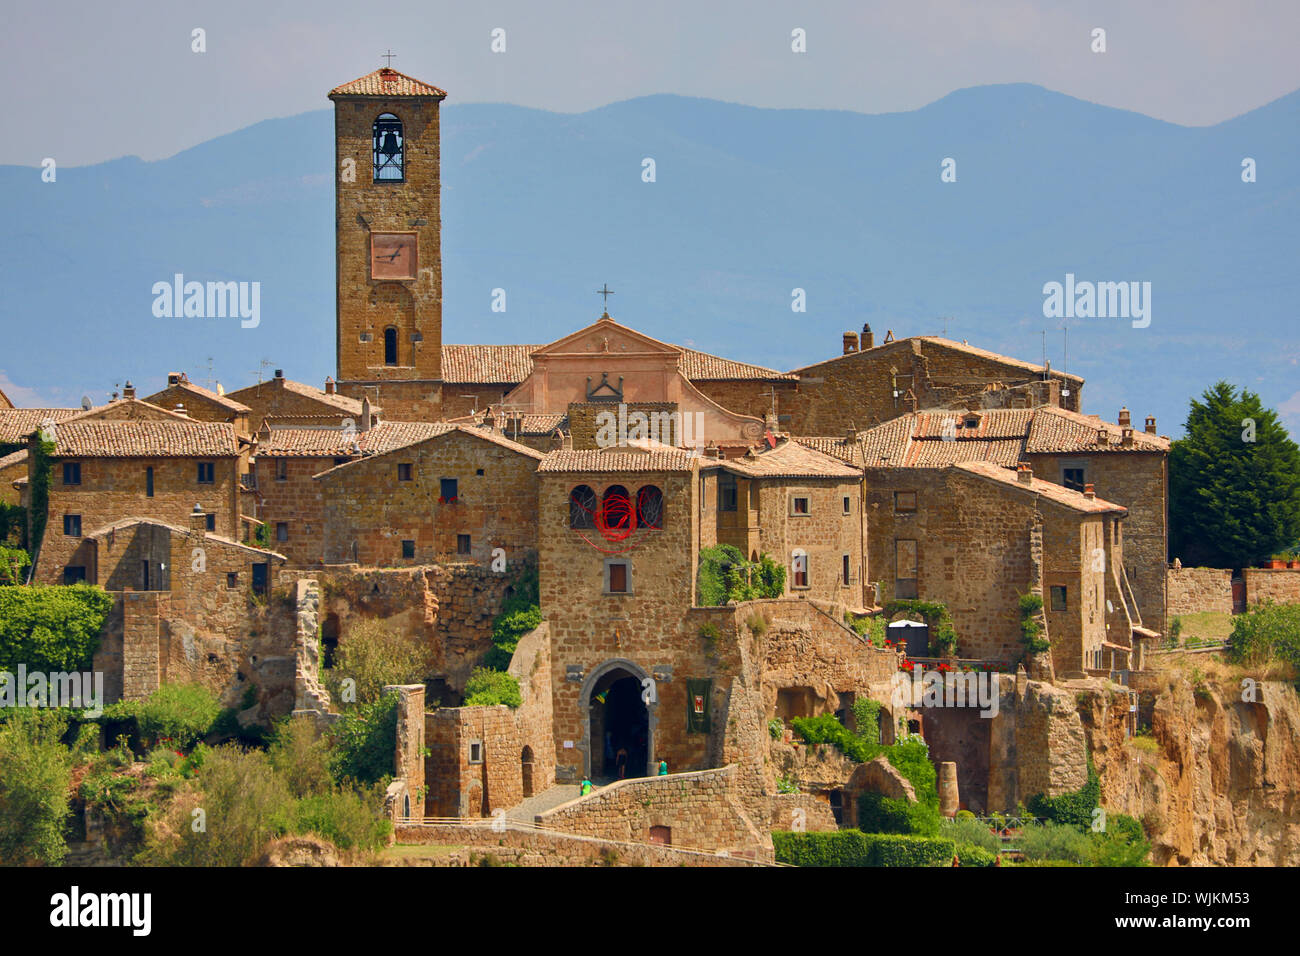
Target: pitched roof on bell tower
(387, 82)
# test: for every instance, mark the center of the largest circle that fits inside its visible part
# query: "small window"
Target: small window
(462, 544)
(1058, 598)
(726, 491)
(207, 472)
(148, 482)
(479, 472)
(848, 505)
(211, 521)
(282, 469)
(390, 346)
(617, 577)
(72, 472)
(282, 531)
(232, 580)
(404, 471)
(799, 569)
(447, 490)
(408, 548)
(74, 574)
(476, 751)
(799, 505)
(845, 571)
(1074, 478)
(904, 501)
(72, 525)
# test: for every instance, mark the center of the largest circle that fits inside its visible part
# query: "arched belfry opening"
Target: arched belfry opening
(389, 147)
(620, 721)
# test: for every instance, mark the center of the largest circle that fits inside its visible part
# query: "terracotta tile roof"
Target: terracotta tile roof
(17, 423)
(387, 82)
(349, 406)
(1058, 430)
(703, 367)
(197, 390)
(916, 343)
(17, 458)
(330, 441)
(617, 459)
(535, 424)
(146, 439)
(1003, 436)
(487, 364)
(841, 448)
(790, 459)
(231, 542)
(511, 364)
(438, 430)
(1053, 492)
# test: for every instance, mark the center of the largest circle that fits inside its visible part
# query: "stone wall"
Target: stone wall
(370, 509)
(1193, 590)
(515, 748)
(294, 501)
(1037, 745)
(1279, 585)
(699, 810)
(538, 848)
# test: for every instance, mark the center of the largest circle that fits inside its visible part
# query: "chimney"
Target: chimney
(712, 451)
(1103, 436)
(489, 420)
(770, 422)
(173, 378)
(850, 433)
(279, 373)
(1024, 474)
(1124, 420)
(1127, 436)
(1151, 425)
(329, 385)
(198, 520)
(868, 340)
(850, 342)
(366, 418)
(128, 391)
(1088, 491)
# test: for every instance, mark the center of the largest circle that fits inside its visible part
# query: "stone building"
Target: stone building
(288, 457)
(1128, 467)
(106, 469)
(284, 400)
(801, 507)
(456, 496)
(975, 536)
(202, 404)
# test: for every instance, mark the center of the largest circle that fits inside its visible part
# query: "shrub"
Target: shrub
(244, 802)
(375, 655)
(301, 756)
(725, 575)
(854, 848)
(1031, 624)
(487, 687)
(1056, 841)
(968, 854)
(776, 728)
(1266, 633)
(880, 814)
(364, 742)
(787, 784)
(968, 831)
(891, 850)
(757, 625)
(520, 613)
(1122, 843)
(37, 771)
(1074, 808)
(346, 818)
(13, 562)
(179, 713)
(1175, 629)
(866, 715)
(52, 627)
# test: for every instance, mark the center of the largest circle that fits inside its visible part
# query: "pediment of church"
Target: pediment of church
(608, 338)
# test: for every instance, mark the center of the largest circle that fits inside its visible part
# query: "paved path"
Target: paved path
(541, 802)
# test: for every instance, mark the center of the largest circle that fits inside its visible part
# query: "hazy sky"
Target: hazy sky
(91, 81)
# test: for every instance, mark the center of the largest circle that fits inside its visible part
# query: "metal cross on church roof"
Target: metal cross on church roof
(389, 57)
(606, 291)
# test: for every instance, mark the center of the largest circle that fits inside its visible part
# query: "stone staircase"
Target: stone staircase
(541, 802)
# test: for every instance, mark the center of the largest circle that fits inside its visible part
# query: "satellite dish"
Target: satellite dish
(1110, 608)
(220, 390)
(86, 404)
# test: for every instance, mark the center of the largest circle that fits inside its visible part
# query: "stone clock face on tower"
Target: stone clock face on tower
(393, 255)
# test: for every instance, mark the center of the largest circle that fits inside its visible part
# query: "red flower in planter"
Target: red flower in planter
(448, 501)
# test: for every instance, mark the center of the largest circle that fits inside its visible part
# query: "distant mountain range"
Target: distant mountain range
(747, 205)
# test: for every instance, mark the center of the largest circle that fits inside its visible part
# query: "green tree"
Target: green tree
(51, 627)
(35, 772)
(376, 654)
(1234, 482)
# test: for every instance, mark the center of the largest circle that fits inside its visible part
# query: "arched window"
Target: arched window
(390, 346)
(582, 507)
(388, 149)
(616, 510)
(649, 507)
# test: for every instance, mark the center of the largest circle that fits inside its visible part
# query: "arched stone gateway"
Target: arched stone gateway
(618, 723)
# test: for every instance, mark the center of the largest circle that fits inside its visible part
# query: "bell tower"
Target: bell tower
(388, 243)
